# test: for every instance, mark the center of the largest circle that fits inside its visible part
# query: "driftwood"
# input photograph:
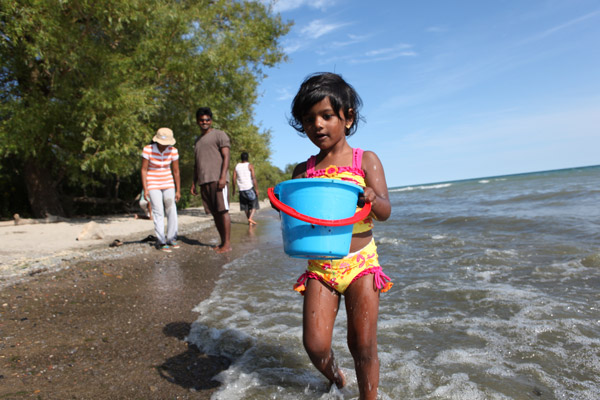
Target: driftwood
(91, 230)
(48, 220)
(99, 200)
(94, 201)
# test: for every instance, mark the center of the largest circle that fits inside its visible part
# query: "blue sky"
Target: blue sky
(451, 89)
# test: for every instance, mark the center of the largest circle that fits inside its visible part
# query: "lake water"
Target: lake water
(496, 296)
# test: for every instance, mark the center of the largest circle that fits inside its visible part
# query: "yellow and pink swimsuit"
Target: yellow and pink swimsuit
(340, 273)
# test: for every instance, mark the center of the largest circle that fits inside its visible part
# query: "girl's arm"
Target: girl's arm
(376, 191)
(144, 179)
(175, 165)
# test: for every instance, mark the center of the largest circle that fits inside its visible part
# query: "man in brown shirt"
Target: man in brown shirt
(211, 173)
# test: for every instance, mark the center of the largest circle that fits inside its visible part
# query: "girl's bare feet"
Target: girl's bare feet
(339, 379)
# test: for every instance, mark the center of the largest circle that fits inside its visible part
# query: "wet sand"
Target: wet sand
(113, 327)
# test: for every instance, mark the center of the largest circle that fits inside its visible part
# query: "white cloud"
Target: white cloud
(390, 50)
(562, 26)
(284, 94)
(352, 39)
(289, 5)
(385, 54)
(388, 57)
(318, 28)
(292, 46)
(436, 29)
(303, 38)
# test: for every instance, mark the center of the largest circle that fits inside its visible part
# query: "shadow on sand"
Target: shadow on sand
(151, 240)
(191, 369)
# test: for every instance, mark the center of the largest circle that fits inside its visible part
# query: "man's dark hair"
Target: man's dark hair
(244, 156)
(203, 111)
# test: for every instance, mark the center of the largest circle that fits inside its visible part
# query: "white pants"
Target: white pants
(163, 202)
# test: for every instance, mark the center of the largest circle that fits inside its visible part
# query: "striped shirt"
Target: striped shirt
(159, 166)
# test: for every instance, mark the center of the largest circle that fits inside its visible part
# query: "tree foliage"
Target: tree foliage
(86, 83)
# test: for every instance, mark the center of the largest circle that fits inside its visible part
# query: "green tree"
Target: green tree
(268, 175)
(85, 83)
(289, 169)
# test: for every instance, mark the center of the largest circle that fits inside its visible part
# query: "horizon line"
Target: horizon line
(494, 176)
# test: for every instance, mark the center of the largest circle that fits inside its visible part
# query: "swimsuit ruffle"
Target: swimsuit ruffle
(381, 280)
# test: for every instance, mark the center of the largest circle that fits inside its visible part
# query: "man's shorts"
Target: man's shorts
(248, 200)
(215, 200)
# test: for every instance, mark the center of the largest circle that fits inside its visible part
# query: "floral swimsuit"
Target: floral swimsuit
(339, 274)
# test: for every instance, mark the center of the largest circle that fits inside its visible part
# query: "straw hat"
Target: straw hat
(164, 136)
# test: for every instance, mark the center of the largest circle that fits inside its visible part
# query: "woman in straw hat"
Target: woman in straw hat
(160, 178)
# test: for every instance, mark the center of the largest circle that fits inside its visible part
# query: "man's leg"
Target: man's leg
(253, 206)
(214, 200)
(223, 224)
(251, 215)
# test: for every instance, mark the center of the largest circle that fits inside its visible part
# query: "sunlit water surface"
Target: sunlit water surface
(496, 296)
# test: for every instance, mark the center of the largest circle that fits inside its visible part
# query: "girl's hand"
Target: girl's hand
(370, 196)
(177, 196)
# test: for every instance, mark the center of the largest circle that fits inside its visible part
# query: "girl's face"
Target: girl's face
(323, 127)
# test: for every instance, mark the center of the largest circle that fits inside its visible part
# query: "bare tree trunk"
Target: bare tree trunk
(41, 190)
(117, 186)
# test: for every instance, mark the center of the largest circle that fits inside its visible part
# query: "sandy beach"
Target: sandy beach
(81, 319)
(29, 248)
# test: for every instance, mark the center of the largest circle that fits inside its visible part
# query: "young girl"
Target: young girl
(326, 109)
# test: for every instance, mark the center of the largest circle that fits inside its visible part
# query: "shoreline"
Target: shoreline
(104, 322)
(31, 249)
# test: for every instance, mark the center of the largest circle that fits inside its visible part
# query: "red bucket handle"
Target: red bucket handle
(359, 216)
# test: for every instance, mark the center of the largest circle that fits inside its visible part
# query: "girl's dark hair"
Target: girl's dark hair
(315, 88)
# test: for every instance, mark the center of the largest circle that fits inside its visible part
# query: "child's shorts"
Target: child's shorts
(340, 273)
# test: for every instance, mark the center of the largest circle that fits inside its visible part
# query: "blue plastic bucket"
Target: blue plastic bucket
(323, 199)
